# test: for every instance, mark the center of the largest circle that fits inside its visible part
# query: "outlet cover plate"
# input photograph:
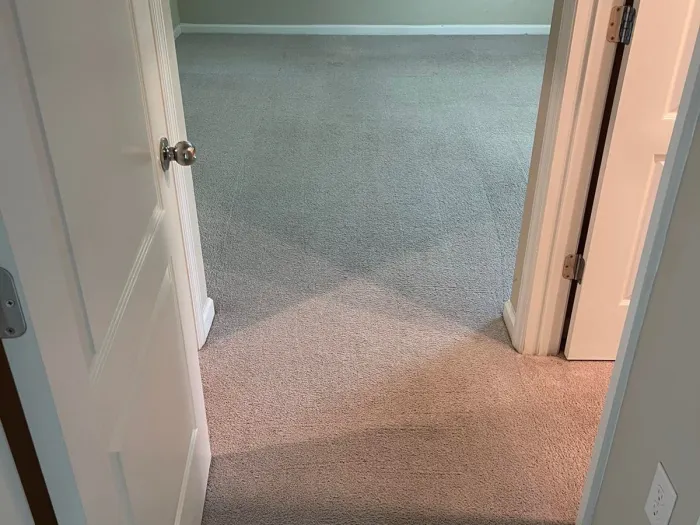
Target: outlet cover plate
(661, 499)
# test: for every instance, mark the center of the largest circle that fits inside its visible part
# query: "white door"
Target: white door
(106, 283)
(655, 73)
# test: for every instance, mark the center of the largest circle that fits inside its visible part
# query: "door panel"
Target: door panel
(653, 80)
(155, 463)
(113, 369)
(121, 225)
(649, 192)
(104, 167)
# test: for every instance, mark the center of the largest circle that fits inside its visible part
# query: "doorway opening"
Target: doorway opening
(399, 164)
(360, 201)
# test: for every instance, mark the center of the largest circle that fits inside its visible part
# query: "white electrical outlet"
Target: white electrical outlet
(661, 499)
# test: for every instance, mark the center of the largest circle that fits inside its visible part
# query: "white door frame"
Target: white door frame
(581, 77)
(684, 130)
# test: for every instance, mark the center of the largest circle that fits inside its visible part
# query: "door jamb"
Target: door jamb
(581, 75)
(22, 448)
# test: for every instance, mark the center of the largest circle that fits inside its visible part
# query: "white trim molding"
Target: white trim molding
(582, 69)
(509, 318)
(177, 30)
(207, 318)
(323, 29)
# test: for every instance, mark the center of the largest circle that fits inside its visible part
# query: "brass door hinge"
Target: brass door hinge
(12, 322)
(574, 265)
(621, 24)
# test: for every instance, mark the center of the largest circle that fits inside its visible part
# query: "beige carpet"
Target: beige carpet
(360, 407)
(359, 200)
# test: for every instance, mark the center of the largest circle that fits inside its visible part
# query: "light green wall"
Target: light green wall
(380, 12)
(175, 12)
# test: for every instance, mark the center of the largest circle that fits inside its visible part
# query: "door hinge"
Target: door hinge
(574, 265)
(12, 322)
(621, 24)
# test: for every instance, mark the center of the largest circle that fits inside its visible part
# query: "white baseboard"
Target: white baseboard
(509, 319)
(207, 316)
(177, 31)
(248, 29)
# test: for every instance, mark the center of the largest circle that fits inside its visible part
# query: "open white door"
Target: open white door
(651, 89)
(93, 228)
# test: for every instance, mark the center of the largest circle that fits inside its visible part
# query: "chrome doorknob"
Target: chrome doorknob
(184, 153)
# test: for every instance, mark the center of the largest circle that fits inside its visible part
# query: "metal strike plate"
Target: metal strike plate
(12, 322)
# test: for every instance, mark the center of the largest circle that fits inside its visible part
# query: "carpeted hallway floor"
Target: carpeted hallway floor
(360, 201)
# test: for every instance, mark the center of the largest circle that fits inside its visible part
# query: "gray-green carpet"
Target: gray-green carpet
(360, 201)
